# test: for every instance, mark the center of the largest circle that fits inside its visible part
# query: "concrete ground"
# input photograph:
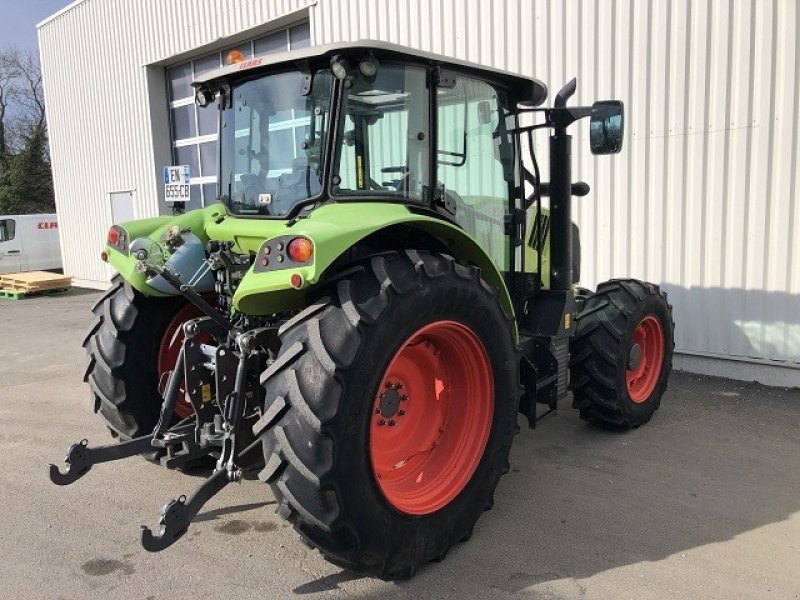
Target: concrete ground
(703, 502)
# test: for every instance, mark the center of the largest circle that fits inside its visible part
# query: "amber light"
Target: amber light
(113, 236)
(104, 256)
(234, 57)
(300, 249)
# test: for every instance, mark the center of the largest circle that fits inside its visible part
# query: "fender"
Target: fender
(334, 229)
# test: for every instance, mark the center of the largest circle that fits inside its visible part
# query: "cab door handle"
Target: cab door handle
(13, 252)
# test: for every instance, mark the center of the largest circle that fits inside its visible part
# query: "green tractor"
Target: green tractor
(377, 294)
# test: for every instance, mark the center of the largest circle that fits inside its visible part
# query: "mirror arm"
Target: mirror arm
(564, 117)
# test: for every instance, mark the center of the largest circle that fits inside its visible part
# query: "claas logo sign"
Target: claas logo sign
(47, 225)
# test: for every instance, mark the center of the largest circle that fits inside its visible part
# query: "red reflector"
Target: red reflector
(104, 256)
(300, 249)
(113, 236)
(297, 281)
(264, 262)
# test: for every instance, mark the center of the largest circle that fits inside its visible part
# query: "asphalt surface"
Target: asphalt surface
(703, 502)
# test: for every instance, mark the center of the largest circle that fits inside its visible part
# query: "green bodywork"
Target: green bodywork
(333, 228)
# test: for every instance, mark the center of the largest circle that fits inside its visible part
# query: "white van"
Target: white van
(29, 243)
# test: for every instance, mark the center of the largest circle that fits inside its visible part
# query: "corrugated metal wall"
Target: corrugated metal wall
(107, 110)
(703, 199)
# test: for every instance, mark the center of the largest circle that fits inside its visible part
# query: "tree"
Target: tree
(8, 79)
(28, 179)
(26, 182)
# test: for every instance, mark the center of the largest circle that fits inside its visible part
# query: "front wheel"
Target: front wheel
(390, 412)
(621, 353)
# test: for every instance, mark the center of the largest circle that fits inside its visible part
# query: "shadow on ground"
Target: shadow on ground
(719, 459)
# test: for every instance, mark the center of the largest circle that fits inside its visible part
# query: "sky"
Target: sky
(18, 19)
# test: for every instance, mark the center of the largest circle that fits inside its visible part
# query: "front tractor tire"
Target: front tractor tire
(129, 347)
(390, 412)
(621, 353)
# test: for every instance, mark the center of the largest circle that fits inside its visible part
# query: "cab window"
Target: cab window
(7, 229)
(384, 140)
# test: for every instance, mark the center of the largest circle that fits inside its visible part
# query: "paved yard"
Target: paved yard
(703, 502)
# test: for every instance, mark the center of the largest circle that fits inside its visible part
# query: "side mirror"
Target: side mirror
(606, 127)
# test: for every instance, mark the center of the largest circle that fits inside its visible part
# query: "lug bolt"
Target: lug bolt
(377, 411)
(381, 422)
(392, 423)
(401, 412)
(403, 398)
(398, 386)
(388, 384)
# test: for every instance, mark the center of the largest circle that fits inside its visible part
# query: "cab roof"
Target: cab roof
(529, 89)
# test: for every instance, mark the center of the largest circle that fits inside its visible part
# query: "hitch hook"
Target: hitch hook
(77, 465)
(178, 513)
(81, 457)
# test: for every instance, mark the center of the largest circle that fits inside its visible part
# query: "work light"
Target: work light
(340, 66)
(368, 66)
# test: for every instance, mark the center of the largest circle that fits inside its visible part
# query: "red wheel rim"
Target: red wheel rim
(431, 418)
(168, 350)
(641, 378)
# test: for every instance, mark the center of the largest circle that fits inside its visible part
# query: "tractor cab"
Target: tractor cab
(375, 122)
(371, 123)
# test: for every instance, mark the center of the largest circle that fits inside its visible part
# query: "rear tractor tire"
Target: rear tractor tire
(621, 353)
(130, 345)
(390, 411)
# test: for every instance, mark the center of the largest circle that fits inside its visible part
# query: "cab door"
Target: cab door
(476, 164)
(10, 246)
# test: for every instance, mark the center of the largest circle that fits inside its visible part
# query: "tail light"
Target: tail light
(114, 235)
(118, 239)
(300, 249)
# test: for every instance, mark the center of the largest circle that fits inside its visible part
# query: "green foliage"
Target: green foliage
(26, 181)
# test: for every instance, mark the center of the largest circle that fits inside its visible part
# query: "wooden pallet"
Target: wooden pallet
(17, 286)
(34, 281)
(17, 295)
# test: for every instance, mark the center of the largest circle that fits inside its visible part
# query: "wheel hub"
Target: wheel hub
(389, 404)
(634, 356)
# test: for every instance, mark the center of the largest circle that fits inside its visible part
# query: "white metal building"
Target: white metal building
(703, 199)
